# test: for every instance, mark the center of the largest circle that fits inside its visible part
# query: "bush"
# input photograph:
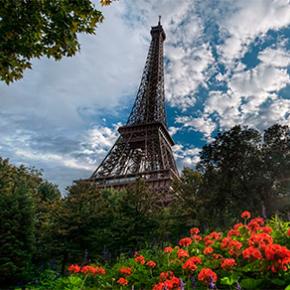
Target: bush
(251, 255)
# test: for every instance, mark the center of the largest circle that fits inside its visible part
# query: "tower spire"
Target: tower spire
(149, 105)
(143, 149)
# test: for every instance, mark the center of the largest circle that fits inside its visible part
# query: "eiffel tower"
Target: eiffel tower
(143, 149)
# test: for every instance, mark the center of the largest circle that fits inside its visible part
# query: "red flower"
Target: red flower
(208, 250)
(196, 238)
(151, 264)
(238, 226)
(207, 276)
(140, 259)
(173, 283)
(74, 268)
(89, 270)
(185, 242)
(252, 253)
(125, 271)
(190, 264)
(266, 230)
(234, 247)
(158, 286)
(245, 215)
(122, 281)
(217, 256)
(279, 256)
(233, 232)
(100, 270)
(260, 240)
(225, 243)
(194, 231)
(165, 275)
(182, 254)
(228, 263)
(168, 250)
(255, 224)
(288, 232)
(211, 238)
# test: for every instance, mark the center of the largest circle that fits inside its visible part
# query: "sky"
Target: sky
(227, 62)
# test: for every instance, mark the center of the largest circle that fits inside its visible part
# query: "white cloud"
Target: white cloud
(277, 57)
(247, 19)
(202, 124)
(186, 156)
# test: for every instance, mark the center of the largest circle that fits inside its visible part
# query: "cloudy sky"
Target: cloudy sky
(227, 63)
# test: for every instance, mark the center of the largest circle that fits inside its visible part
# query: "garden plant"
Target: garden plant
(253, 254)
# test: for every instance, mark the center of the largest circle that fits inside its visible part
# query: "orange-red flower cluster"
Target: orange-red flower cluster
(191, 263)
(87, 270)
(233, 246)
(227, 264)
(194, 231)
(74, 268)
(207, 276)
(279, 256)
(185, 242)
(122, 281)
(168, 250)
(140, 259)
(167, 281)
(252, 253)
(125, 271)
(260, 240)
(151, 264)
(182, 254)
(208, 250)
(245, 215)
(211, 238)
(255, 224)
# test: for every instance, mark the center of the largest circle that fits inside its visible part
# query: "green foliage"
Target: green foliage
(241, 168)
(25, 228)
(244, 273)
(17, 233)
(105, 224)
(32, 29)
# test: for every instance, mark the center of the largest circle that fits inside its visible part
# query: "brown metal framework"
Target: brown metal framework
(143, 149)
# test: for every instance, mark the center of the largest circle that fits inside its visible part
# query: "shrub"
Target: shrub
(248, 256)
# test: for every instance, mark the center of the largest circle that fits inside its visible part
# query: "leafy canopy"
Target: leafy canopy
(36, 28)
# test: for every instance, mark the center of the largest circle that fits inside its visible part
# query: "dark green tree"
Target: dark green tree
(102, 224)
(17, 233)
(32, 29)
(47, 204)
(276, 158)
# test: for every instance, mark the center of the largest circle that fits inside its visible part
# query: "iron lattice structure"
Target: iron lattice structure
(144, 147)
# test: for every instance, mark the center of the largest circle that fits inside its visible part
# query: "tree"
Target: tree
(244, 169)
(102, 224)
(29, 209)
(36, 28)
(17, 234)
(47, 204)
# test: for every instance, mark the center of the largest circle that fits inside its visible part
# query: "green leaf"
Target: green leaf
(288, 287)
(279, 282)
(229, 280)
(250, 283)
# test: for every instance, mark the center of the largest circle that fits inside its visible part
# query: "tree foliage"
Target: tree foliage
(106, 223)
(36, 28)
(240, 169)
(25, 221)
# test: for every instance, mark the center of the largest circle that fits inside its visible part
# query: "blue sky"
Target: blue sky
(227, 63)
